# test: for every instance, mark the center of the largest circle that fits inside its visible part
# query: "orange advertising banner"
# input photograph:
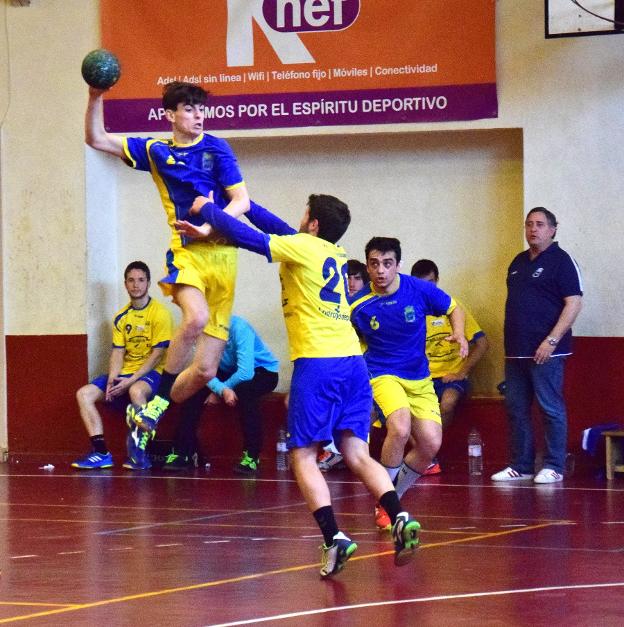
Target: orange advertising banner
(277, 63)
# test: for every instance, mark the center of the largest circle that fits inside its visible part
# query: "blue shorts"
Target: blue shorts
(439, 386)
(152, 378)
(328, 395)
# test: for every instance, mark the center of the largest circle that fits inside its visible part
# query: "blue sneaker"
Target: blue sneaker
(131, 464)
(405, 536)
(136, 443)
(148, 416)
(334, 557)
(94, 461)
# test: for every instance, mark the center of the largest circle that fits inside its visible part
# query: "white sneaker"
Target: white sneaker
(334, 557)
(509, 474)
(547, 475)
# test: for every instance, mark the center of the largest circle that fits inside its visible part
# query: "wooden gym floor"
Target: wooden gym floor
(209, 548)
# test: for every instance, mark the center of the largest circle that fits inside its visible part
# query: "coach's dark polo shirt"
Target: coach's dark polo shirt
(535, 293)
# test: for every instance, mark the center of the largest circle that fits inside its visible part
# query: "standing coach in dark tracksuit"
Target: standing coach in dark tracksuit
(544, 294)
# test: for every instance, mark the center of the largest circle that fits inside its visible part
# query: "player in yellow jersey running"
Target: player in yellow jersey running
(326, 350)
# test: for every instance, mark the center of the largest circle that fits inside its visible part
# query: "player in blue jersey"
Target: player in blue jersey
(324, 349)
(201, 274)
(389, 314)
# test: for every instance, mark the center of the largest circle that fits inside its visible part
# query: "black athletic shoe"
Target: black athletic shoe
(177, 463)
(248, 465)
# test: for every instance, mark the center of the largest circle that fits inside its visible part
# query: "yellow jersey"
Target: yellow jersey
(443, 355)
(138, 331)
(313, 275)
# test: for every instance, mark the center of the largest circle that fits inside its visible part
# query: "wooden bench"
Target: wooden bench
(614, 452)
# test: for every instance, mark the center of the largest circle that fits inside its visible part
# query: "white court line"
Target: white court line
(446, 597)
(419, 486)
(22, 557)
(460, 528)
(216, 541)
(160, 546)
(70, 552)
(135, 477)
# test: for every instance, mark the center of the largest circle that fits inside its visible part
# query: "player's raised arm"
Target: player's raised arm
(96, 135)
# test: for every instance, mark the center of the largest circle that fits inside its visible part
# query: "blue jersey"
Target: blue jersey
(536, 289)
(394, 326)
(184, 171)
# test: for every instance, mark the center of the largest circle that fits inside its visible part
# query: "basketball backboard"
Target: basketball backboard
(577, 18)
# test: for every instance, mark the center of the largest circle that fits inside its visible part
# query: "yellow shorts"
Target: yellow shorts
(211, 268)
(392, 393)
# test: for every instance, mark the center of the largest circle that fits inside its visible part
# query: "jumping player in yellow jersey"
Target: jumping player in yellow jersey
(201, 274)
(324, 349)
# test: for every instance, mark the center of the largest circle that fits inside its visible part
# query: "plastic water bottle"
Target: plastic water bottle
(570, 463)
(281, 456)
(475, 453)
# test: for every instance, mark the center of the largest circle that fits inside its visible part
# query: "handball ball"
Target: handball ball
(101, 69)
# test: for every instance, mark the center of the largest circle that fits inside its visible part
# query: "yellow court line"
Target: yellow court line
(280, 571)
(484, 536)
(30, 603)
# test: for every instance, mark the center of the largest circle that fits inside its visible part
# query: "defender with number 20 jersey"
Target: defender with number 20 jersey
(313, 275)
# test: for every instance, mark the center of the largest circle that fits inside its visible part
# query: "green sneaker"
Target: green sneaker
(148, 416)
(405, 535)
(247, 465)
(334, 557)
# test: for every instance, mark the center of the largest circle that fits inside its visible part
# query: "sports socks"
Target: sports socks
(393, 471)
(390, 502)
(99, 445)
(405, 479)
(326, 520)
